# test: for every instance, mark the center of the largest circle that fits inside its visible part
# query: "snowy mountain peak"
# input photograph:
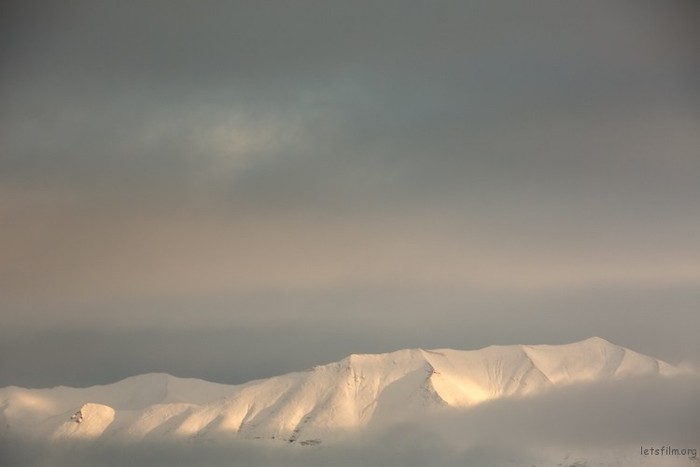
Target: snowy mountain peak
(307, 406)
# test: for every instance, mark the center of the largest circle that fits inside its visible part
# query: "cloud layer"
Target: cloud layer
(232, 165)
(592, 423)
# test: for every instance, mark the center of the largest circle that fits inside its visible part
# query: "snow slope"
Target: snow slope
(318, 404)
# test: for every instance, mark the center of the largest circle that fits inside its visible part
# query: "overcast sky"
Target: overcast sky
(231, 190)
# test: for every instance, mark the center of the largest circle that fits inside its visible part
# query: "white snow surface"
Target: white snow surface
(317, 404)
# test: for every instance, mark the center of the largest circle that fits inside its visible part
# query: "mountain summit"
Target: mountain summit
(310, 406)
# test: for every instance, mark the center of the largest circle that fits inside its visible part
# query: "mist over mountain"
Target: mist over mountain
(312, 206)
(499, 405)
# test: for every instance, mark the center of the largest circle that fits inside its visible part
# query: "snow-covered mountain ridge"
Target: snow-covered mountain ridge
(308, 406)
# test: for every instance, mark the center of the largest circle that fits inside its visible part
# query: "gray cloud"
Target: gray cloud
(239, 165)
(440, 76)
(236, 338)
